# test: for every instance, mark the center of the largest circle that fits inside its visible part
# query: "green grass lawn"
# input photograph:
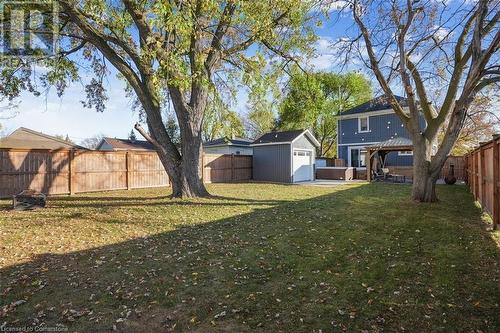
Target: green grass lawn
(257, 257)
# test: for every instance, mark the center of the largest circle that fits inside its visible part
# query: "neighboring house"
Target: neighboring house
(284, 157)
(237, 146)
(368, 124)
(25, 138)
(114, 144)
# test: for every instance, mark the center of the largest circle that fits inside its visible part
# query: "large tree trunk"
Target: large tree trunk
(425, 173)
(424, 185)
(185, 175)
(188, 182)
(183, 168)
(191, 181)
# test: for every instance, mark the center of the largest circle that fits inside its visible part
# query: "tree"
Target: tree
(64, 138)
(481, 123)
(259, 121)
(132, 136)
(173, 130)
(314, 100)
(220, 121)
(165, 50)
(92, 142)
(8, 110)
(422, 46)
(264, 91)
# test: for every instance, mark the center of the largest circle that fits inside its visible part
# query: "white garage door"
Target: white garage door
(302, 165)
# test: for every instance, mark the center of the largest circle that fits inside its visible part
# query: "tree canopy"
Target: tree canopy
(221, 121)
(419, 48)
(315, 100)
(168, 52)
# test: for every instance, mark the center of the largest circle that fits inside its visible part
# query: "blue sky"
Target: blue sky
(67, 116)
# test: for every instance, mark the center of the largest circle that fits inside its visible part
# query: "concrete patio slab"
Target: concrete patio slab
(329, 182)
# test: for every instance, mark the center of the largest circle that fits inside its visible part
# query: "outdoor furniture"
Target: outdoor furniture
(386, 172)
(378, 175)
(399, 178)
(384, 148)
(28, 200)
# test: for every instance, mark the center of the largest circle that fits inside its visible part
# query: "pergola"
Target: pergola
(383, 148)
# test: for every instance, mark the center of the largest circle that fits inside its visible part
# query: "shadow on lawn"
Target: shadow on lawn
(125, 201)
(349, 260)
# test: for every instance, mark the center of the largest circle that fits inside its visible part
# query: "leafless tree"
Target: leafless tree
(92, 142)
(420, 47)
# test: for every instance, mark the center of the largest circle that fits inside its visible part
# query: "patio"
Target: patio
(376, 168)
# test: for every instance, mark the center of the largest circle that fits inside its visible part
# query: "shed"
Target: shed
(284, 157)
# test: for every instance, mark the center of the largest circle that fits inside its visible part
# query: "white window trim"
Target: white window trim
(409, 153)
(367, 124)
(349, 155)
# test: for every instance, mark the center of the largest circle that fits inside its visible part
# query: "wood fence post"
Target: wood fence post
(465, 170)
(71, 173)
(476, 174)
(496, 183)
(127, 168)
(482, 170)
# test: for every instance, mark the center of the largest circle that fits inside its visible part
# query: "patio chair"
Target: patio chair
(386, 173)
(377, 174)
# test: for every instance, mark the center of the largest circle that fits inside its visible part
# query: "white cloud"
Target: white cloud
(323, 58)
(329, 54)
(336, 5)
(441, 33)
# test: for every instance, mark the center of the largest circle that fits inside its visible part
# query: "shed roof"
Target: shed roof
(228, 141)
(376, 104)
(275, 137)
(125, 144)
(284, 137)
(25, 138)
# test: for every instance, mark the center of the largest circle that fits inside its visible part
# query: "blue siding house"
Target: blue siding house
(368, 124)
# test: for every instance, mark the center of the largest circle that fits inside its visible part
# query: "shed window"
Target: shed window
(363, 124)
(301, 153)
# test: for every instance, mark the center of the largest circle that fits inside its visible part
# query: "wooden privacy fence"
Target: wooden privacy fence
(458, 163)
(77, 171)
(226, 168)
(483, 177)
(330, 162)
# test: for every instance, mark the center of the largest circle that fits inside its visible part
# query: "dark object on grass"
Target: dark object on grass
(451, 179)
(28, 200)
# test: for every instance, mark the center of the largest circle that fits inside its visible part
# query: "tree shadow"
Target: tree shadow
(51, 166)
(350, 260)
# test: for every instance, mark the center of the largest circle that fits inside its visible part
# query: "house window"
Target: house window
(358, 157)
(405, 153)
(363, 124)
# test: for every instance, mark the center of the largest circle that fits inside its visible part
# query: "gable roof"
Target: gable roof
(284, 137)
(227, 141)
(25, 138)
(125, 144)
(377, 104)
